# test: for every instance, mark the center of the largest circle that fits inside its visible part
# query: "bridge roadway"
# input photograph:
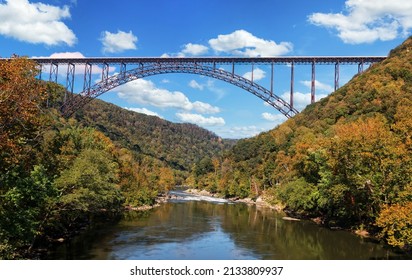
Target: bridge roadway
(220, 60)
(207, 66)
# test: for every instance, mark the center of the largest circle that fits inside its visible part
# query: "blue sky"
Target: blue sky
(155, 28)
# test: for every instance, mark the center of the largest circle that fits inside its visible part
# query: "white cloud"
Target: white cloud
(188, 50)
(210, 85)
(118, 42)
(194, 49)
(204, 108)
(79, 68)
(196, 85)
(35, 23)
(144, 111)
(243, 43)
(200, 120)
(301, 100)
(258, 74)
(319, 86)
(238, 132)
(276, 118)
(368, 21)
(145, 92)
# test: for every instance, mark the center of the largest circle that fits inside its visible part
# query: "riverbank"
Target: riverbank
(259, 201)
(190, 225)
(159, 201)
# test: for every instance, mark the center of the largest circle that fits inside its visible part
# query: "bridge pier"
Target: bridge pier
(54, 70)
(360, 67)
(71, 70)
(87, 77)
(313, 84)
(292, 82)
(271, 79)
(105, 71)
(336, 75)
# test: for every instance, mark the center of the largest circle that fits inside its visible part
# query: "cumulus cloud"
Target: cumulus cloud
(145, 92)
(204, 108)
(237, 132)
(319, 86)
(194, 49)
(368, 21)
(301, 100)
(79, 68)
(189, 50)
(118, 42)
(209, 85)
(244, 43)
(144, 111)
(200, 120)
(35, 23)
(258, 74)
(275, 118)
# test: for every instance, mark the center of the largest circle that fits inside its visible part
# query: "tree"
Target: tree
(21, 97)
(395, 222)
(89, 185)
(366, 165)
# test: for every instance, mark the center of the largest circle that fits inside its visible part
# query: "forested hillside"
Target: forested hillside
(346, 159)
(180, 146)
(57, 174)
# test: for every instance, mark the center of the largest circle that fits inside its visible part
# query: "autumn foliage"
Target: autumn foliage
(346, 159)
(21, 96)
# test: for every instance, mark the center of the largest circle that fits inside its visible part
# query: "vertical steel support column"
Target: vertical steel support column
(40, 67)
(54, 70)
(87, 78)
(292, 82)
(69, 79)
(123, 70)
(233, 69)
(271, 80)
(336, 76)
(313, 85)
(253, 66)
(105, 72)
(360, 67)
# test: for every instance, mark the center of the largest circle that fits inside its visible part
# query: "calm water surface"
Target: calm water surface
(194, 227)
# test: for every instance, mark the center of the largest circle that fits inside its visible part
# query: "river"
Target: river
(204, 228)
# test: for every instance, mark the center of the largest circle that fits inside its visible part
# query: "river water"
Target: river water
(204, 228)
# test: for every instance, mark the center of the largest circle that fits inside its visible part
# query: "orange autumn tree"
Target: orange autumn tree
(365, 161)
(20, 114)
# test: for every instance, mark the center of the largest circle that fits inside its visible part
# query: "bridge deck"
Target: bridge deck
(219, 60)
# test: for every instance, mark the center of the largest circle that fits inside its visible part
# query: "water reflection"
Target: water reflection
(184, 229)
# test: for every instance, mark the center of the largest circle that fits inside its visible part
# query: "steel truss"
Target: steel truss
(206, 66)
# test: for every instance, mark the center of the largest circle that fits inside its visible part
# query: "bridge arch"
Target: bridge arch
(145, 70)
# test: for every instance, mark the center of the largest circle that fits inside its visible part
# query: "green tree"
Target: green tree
(90, 184)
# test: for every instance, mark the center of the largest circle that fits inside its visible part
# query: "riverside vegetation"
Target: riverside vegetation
(346, 160)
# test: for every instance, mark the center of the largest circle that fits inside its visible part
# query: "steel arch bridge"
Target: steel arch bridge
(206, 66)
